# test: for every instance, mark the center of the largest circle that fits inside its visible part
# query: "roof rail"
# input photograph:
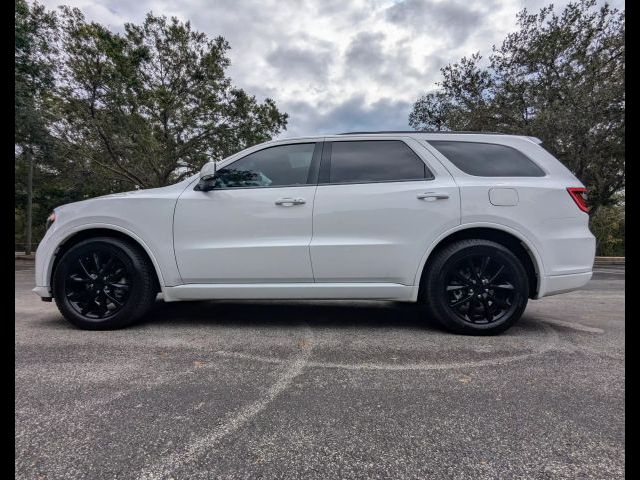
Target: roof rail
(421, 131)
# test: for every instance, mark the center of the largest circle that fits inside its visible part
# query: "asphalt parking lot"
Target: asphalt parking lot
(322, 390)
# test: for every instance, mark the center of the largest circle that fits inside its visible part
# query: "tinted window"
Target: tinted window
(271, 167)
(487, 159)
(375, 161)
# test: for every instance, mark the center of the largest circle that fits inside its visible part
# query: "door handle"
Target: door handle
(430, 196)
(290, 201)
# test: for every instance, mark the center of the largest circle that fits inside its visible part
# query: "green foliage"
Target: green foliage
(102, 112)
(560, 77)
(607, 224)
(151, 106)
(35, 51)
(35, 31)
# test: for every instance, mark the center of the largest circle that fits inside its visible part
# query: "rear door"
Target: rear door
(378, 206)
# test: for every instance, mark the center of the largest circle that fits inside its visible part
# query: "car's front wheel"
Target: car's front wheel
(103, 283)
(476, 287)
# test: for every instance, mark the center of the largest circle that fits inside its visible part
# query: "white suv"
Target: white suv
(470, 224)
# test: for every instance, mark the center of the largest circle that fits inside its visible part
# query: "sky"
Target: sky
(335, 65)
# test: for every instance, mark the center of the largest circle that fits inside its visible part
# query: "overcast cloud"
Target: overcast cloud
(335, 65)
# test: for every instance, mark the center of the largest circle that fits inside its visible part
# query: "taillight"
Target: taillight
(579, 195)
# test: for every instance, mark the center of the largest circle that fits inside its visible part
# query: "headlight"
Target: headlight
(50, 219)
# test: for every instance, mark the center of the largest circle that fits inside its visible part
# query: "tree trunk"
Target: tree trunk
(27, 249)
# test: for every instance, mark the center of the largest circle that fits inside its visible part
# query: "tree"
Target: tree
(35, 30)
(607, 225)
(152, 105)
(560, 77)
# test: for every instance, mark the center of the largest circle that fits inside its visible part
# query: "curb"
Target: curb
(601, 261)
(26, 258)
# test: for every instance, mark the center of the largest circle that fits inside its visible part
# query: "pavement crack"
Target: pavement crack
(167, 465)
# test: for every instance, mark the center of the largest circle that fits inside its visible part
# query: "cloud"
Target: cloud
(365, 50)
(335, 65)
(352, 114)
(456, 20)
(301, 63)
(368, 56)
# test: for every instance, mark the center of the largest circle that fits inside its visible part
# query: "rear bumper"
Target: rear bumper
(555, 284)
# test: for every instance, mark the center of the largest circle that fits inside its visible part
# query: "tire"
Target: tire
(471, 297)
(103, 283)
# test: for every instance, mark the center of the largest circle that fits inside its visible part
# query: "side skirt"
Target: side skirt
(290, 291)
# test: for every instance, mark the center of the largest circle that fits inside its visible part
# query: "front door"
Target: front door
(255, 225)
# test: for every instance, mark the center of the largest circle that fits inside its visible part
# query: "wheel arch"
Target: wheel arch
(104, 230)
(511, 239)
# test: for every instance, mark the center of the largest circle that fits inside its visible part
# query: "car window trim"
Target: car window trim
(314, 167)
(365, 182)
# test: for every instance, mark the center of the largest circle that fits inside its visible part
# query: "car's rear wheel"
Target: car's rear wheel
(476, 287)
(103, 283)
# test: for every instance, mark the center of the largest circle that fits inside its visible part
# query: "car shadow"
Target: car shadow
(329, 314)
(334, 314)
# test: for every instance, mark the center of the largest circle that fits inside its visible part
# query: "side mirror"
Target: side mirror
(207, 177)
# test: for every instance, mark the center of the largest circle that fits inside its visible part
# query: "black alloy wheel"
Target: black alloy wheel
(104, 283)
(98, 284)
(475, 287)
(481, 288)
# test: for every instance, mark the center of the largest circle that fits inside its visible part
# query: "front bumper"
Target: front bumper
(44, 292)
(44, 252)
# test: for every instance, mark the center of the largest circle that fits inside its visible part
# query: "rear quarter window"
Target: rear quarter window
(487, 159)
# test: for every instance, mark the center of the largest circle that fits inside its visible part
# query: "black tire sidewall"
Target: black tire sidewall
(138, 297)
(435, 283)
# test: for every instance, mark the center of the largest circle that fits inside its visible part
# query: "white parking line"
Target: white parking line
(572, 325)
(172, 462)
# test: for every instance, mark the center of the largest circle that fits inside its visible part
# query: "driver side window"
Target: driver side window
(277, 166)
